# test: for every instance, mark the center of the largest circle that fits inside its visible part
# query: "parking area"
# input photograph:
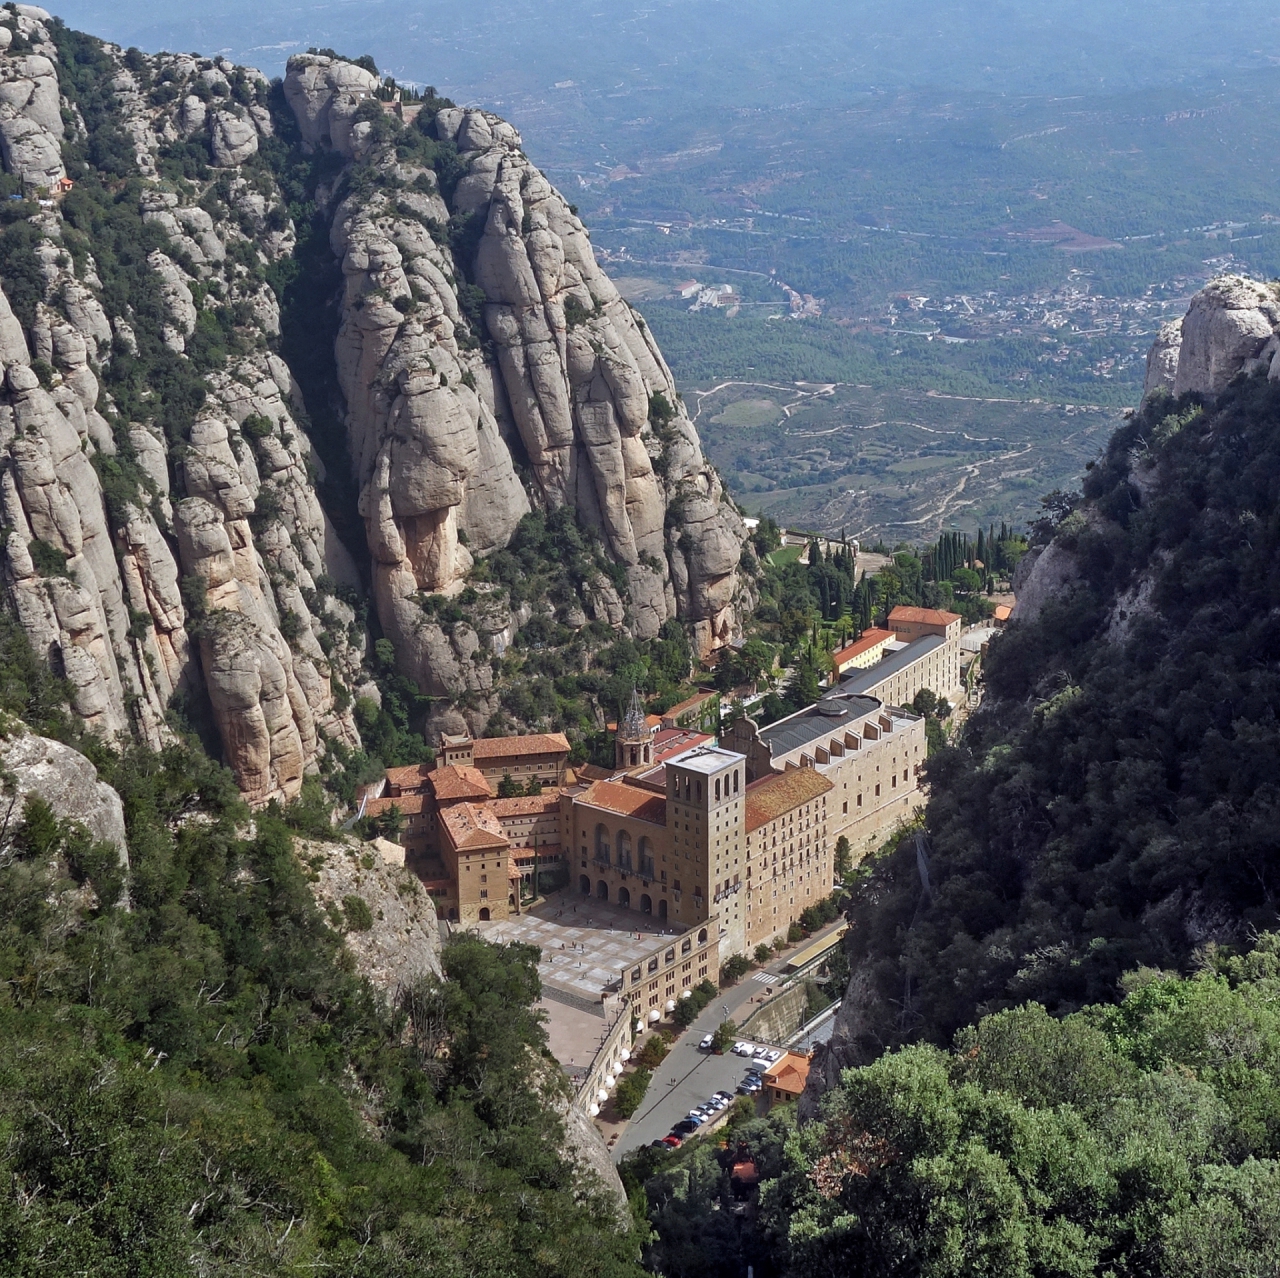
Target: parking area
(687, 1078)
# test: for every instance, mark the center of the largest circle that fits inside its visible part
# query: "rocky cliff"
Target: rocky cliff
(160, 486)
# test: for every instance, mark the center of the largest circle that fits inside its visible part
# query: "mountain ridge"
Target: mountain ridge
(163, 475)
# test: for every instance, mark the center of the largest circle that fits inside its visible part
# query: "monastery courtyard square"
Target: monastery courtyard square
(585, 942)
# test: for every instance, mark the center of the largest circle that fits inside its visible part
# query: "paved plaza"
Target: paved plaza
(585, 942)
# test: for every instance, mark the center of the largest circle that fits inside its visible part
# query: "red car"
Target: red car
(672, 1141)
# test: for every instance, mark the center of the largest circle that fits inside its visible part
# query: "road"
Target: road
(687, 1076)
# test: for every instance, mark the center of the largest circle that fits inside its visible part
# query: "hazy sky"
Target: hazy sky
(809, 50)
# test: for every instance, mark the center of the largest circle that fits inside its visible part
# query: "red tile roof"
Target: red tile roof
(626, 800)
(769, 797)
(868, 640)
(510, 747)
(409, 805)
(923, 616)
(413, 777)
(690, 704)
(671, 741)
(472, 828)
(458, 782)
(531, 805)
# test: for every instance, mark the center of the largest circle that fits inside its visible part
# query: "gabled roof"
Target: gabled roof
(869, 639)
(408, 804)
(411, 778)
(530, 805)
(769, 797)
(626, 800)
(454, 782)
(472, 828)
(510, 747)
(789, 1074)
(922, 616)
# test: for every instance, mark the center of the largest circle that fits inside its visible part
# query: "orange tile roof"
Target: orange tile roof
(1002, 612)
(530, 805)
(689, 704)
(869, 639)
(455, 782)
(472, 827)
(593, 772)
(769, 797)
(925, 616)
(409, 805)
(411, 778)
(675, 741)
(789, 1074)
(535, 743)
(626, 800)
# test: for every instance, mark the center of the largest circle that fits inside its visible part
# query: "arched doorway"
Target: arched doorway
(624, 898)
(646, 904)
(484, 914)
(453, 915)
(584, 885)
(602, 890)
(662, 909)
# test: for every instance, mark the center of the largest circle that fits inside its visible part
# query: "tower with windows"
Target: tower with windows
(633, 744)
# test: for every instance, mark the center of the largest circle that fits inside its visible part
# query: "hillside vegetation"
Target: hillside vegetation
(1114, 803)
(1137, 1139)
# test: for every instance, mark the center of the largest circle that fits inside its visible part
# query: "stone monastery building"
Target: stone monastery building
(681, 829)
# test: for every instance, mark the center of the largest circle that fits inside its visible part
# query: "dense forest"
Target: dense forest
(1138, 1138)
(1113, 804)
(194, 1078)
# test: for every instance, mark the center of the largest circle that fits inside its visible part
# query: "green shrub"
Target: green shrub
(356, 913)
(49, 561)
(652, 1054)
(630, 1092)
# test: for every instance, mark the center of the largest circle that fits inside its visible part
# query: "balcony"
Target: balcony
(646, 868)
(601, 858)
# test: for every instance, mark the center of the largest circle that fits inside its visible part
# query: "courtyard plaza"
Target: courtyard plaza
(585, 942)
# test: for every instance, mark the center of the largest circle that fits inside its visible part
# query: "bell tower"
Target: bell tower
(633, 745)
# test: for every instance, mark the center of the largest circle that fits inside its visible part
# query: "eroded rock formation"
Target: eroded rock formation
(1229, 328)
(565, 383)
(164, 534)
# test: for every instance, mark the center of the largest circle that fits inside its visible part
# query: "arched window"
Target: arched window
(602, 844)
(624, 850)
(646, 856)
(702, 937)
(735, 780)
(717, 789)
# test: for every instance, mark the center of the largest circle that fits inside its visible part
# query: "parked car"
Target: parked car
(671, 1141)
(742, 1049)
(686, 1127)
(725, 1096)
(760, 1054)
(716, 1104)
(696, 1117)
(753, 1082)
(774, 1055)
(754, 1073)
(707, 1041)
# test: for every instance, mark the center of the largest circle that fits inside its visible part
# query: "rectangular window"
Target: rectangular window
(484, 894)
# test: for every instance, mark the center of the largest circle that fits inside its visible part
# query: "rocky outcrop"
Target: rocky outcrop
(31, 128)
(402, 943)
(95, 575)
(1162, 360)
(436, 420)
(172, 544)
(1229, 328)
(65, 780)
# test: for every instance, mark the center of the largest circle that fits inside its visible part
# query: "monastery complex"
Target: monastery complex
(723, 840)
